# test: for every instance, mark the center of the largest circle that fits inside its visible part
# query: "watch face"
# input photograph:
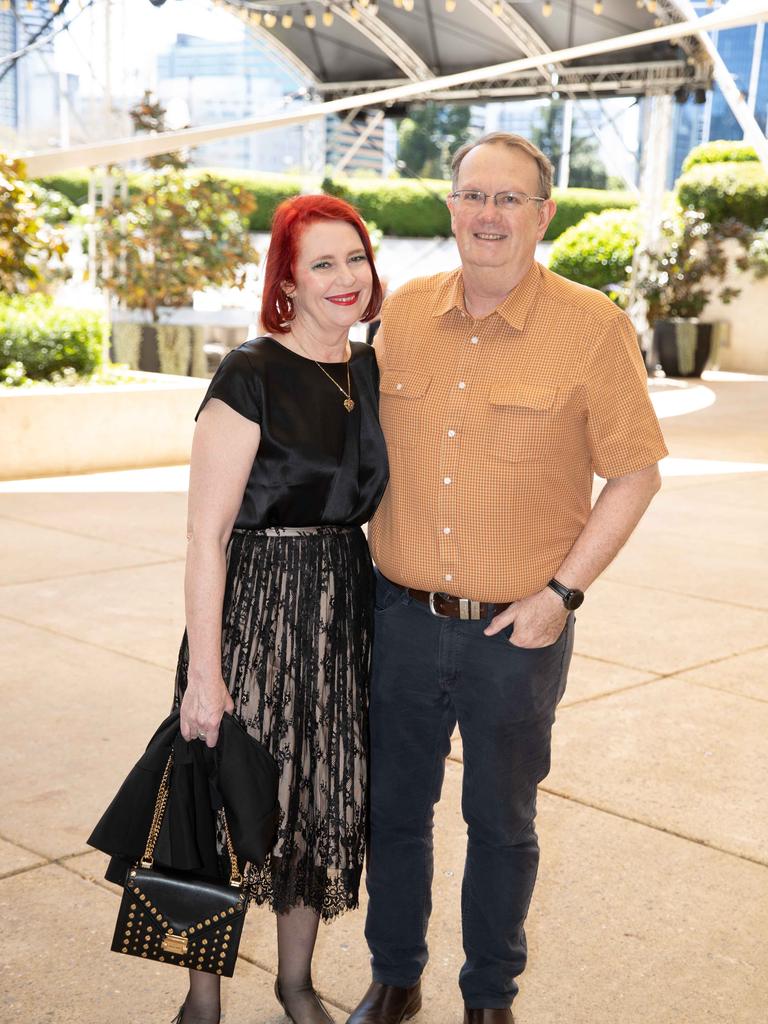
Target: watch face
(574, 600)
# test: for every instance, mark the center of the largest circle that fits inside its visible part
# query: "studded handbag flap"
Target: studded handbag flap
(172, 917)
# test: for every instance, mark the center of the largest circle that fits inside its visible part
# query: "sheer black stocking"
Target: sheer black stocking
(296, 934)
(203, 1002)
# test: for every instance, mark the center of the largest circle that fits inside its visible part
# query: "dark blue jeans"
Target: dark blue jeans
(429, 673)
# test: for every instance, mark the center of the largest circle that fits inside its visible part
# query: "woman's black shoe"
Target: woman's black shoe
(317, 1012)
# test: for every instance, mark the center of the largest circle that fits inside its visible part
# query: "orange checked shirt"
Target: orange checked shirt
(494, 428)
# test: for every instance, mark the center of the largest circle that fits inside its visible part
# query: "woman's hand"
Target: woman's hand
(202, 709)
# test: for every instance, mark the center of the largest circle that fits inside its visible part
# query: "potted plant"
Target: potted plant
(677, 277)
(180, 232)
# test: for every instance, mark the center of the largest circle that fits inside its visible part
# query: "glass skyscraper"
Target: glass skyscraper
(745, 53)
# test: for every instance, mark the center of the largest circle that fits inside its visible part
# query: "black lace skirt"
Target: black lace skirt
(296, 658)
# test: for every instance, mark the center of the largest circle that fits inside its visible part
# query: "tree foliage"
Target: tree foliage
(428, 138)
(148, 115)
(31, 249)
(183, 232)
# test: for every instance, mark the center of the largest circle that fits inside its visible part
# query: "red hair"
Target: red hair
(291, 219)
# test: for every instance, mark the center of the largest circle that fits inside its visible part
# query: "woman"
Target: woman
(288, 461)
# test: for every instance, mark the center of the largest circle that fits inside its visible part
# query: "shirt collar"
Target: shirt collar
(514, 309)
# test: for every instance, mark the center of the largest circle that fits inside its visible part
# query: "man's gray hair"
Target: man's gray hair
(514, 142)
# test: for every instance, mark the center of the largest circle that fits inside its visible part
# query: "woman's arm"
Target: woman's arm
(223, 450)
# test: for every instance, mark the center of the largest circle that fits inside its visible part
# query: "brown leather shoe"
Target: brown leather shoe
(387, 1004)
(488, 1016)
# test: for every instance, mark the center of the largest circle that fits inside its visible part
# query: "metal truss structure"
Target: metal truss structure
(659, 77)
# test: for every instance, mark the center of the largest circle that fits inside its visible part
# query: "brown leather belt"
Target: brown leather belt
(447, 606)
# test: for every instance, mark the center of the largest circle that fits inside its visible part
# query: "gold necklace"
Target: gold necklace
(349, 402)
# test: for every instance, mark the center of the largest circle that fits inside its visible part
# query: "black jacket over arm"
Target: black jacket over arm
(239, 775)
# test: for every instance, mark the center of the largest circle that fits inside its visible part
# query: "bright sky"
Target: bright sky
(139, 32)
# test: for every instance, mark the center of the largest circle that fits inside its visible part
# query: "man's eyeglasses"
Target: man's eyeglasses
(472, 199)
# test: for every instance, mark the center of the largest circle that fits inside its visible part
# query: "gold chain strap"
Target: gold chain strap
(157, 817)
(235, 877)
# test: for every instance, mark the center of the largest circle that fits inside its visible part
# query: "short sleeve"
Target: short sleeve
(237, 384)
(623, 430)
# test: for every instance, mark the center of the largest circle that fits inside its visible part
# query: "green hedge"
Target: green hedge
(400, 207)
(73, 185)
(573, 204)
(726, 191)
(720, 151)
(268, 190)
(40, 341)
(598, 250)
(408, 209)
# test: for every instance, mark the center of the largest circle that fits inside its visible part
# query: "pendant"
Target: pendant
(349, 404)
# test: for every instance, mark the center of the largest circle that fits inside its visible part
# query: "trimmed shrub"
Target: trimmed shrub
(400, 207)
(598, 250)
(408, 209)
(73, 185)
(720, 151)
(40, 341)
(575, 203)
(726, 191)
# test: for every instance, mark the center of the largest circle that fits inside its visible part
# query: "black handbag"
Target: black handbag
(174, 918)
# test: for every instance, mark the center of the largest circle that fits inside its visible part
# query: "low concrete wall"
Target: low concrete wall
(746, 350)
(59, 431)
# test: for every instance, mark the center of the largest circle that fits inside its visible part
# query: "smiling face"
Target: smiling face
(493, 239)
(332, 278)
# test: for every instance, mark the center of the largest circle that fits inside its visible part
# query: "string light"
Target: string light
(408, 5)
(639, 4)
(498, 8)
(270, 20)
(397, 3)
(256, 18)
(354, 12)
(310, 20)
(598, 8)
(31, 6)
(546, 9)
(6, 5)
(363, 3)
(327, 17)
(54, 6)
(710, 3)
(287, 20)
(450, 6)
(651, 5)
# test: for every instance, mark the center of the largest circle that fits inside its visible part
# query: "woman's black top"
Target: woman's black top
(317, 464)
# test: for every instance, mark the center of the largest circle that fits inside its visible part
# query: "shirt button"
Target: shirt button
(446, 529)
(474, 340)
(448, 577)
(446, 479)
(399, 387)
(451, 433)
(462, 385)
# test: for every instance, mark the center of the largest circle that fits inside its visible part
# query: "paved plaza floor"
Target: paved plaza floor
(652, 900)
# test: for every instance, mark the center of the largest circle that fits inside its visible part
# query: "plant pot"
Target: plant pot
(177, 343)
(683, 347)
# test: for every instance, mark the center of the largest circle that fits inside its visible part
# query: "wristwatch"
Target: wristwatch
(572, 598)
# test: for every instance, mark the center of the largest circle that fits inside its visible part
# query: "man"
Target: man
(504, 387)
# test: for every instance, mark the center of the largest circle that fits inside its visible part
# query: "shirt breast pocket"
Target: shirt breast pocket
(401, 405)
(520, 421)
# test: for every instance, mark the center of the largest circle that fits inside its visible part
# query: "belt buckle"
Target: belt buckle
(469, 610)
(437, 614)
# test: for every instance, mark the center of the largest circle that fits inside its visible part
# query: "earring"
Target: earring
(288, 302)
